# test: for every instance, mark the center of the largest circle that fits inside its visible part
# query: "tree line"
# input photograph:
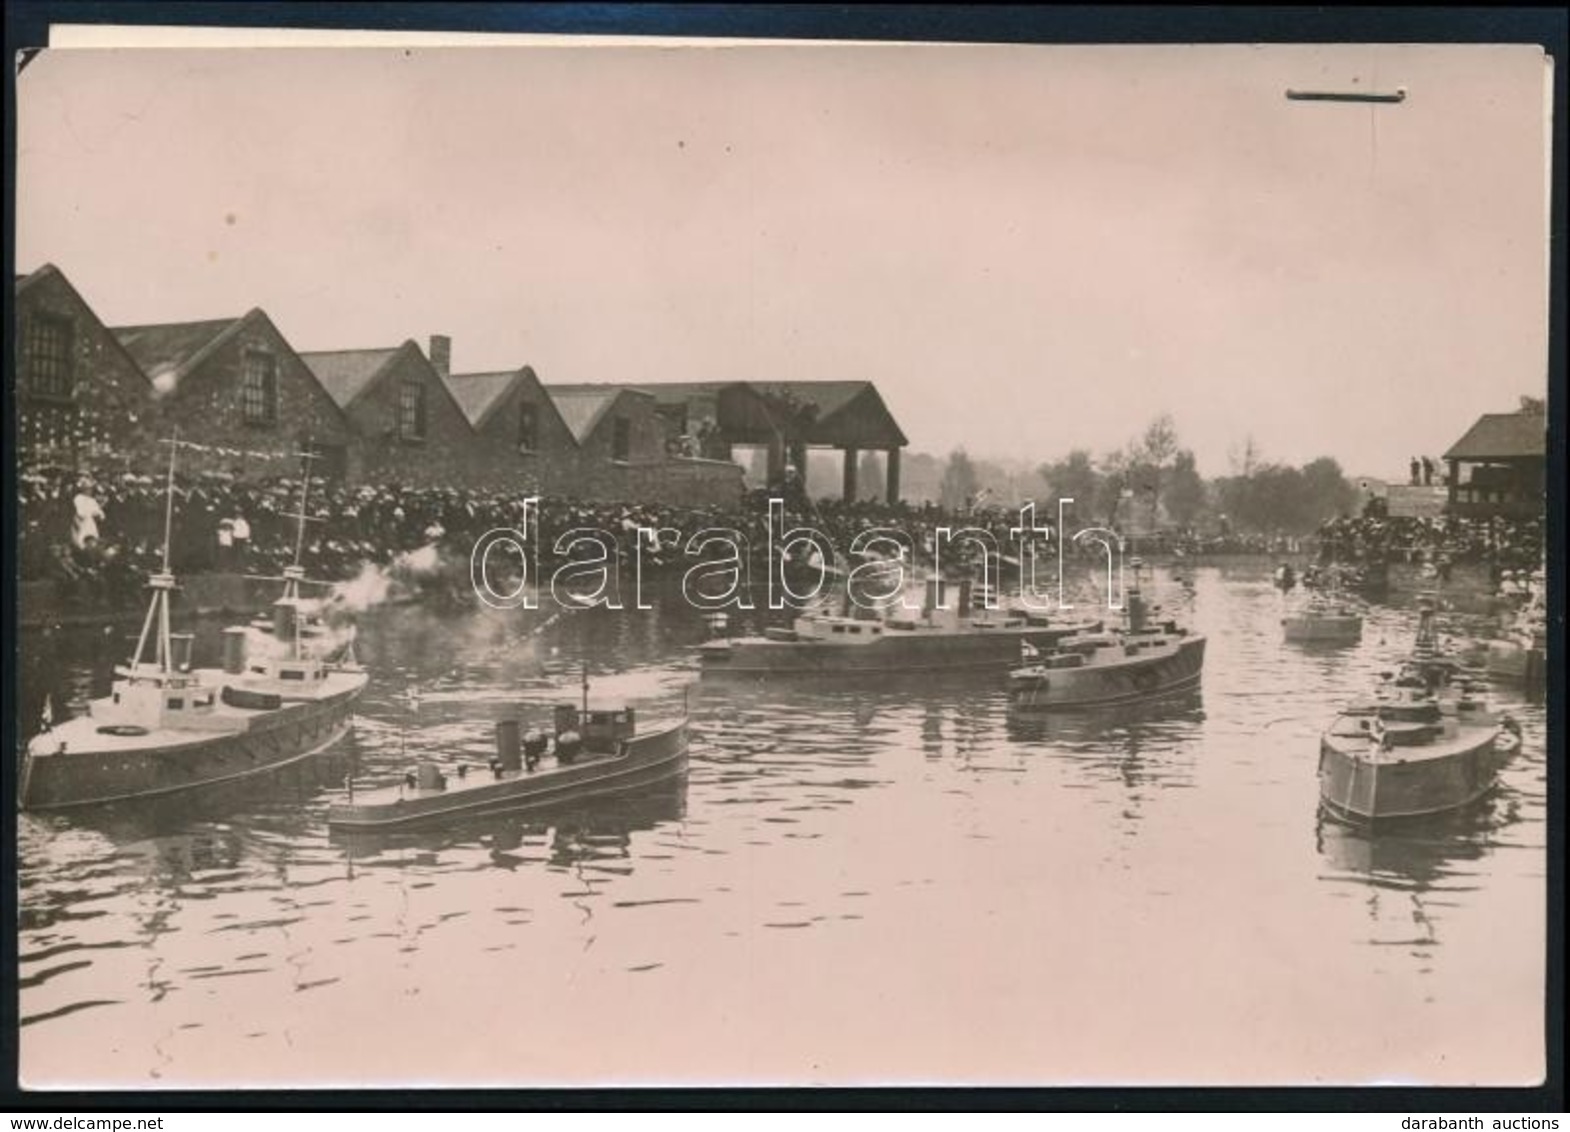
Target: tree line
(1153, 481)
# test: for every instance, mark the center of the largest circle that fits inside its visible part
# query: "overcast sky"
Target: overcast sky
(1027, 249)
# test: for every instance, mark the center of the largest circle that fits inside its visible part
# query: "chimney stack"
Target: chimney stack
(441, 354)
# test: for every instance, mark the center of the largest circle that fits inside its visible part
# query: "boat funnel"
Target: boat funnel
(234, 650)
(180, 651)
(1136, 610)
(509, 748)
(285, 617)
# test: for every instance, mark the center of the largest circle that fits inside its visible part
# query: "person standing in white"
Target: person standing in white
(242, 541)
(84, 525)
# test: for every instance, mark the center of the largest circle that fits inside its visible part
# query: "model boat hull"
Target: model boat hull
(640, 761)
(910, 653)
(1323, 630)
(1111, 685)
(162, 763)
(1358, 781)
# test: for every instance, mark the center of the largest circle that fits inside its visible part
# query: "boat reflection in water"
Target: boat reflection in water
(560, 836)
(1099, 726)
(1411, 873)
(1150, 744)
(1417, 855)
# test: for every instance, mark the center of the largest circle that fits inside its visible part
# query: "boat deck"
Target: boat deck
(88, 734)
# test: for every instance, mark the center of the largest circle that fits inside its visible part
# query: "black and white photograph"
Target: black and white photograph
(737, 563)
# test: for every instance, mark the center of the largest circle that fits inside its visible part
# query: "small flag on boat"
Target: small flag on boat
(47, 716)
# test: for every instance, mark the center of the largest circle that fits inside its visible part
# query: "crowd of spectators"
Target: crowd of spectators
(98, 535)
(1505, 545)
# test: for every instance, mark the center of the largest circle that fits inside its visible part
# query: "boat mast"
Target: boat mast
(294, 571)
(306, 456)
(174, 444)
(157, 620)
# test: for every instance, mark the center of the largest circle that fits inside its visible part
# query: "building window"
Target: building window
(621, 440)
(411, 411)
(48, 350)
(528, 427)
(259, 388)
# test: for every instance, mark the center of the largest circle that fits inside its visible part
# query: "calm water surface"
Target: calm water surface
(872, 884)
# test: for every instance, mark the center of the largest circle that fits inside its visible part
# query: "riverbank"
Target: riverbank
(1470, 589)
(47, 602)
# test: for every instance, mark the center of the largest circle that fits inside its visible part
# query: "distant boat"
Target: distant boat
(934, 641)
(1424, 743)
(166, 727)
(1325, 619)
(1139, 661)
(593, 753)
(1369, 580)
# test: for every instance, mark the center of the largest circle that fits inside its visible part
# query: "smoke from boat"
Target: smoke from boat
(375, 584)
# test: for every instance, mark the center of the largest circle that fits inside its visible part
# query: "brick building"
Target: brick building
(78, 395)
(237, 386)
(519, 429)
(624, 450)
(406, 427)
(618, 434)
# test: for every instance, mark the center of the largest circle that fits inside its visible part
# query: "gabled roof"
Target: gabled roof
(43, 272)
(479, 394)
(818, 412)
(49, 270)
(346, 374)
(675, 392)
(1503, 436)
(166, 351)
(818, 403)
(829, 396)
(582, 407)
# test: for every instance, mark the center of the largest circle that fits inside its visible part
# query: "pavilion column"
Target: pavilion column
(851, 457)
(798, 457)
(892, 494)
(776, 466)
